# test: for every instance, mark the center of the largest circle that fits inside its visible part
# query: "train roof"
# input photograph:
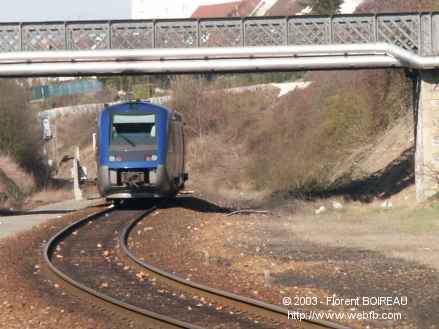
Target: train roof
(141, 105)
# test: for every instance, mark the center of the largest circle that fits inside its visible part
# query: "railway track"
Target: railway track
(92, 259)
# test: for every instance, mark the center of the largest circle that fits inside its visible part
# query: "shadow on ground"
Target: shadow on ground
(6, 212)
(395, 177)
(186, 202)
(398, 175)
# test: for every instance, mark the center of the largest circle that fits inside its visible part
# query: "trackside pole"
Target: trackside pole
(94, 142)
(76, 189)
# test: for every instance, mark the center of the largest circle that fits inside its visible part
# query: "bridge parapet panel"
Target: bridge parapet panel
(221, 33)
(415, 32)
(134, 35)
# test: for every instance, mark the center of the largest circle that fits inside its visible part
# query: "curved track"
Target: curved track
(106, 234)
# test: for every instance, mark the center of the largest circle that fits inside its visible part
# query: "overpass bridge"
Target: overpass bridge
(403, 40)
(413, 31)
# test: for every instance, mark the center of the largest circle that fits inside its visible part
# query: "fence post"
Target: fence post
(76, 189)
(94, 142)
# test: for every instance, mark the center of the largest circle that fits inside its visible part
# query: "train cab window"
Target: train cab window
(133, 130)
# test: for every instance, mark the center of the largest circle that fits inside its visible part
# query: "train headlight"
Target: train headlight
(116, 158)
(151, 157)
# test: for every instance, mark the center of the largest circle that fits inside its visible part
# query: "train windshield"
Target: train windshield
(133, 130)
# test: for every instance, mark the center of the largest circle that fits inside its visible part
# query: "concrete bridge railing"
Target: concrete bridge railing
(416, 32)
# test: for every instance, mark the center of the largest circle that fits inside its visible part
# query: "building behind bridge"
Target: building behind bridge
(141, 9)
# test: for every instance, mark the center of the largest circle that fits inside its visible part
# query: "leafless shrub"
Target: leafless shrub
(296, 143)
(75, 129)
(23, 180)
(376, 6)
(20, 136)
(218, 123)
(50, 195)
(300, 144)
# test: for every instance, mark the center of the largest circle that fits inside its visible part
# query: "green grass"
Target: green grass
(422, 220)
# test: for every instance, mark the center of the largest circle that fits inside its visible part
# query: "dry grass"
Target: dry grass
(50, 195)
(304, 143)
(376, 6)
(76, 130)
(218, 125)
(20, 135)
(23, 180)
(300, 145)
(15, 183)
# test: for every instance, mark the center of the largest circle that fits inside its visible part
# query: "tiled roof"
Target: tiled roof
(217, 10)
(286, 8)
(247, 7)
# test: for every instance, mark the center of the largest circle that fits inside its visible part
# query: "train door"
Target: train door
(180, 148)
(171, 161)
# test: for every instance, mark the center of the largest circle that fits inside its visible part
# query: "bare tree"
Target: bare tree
(323, 7)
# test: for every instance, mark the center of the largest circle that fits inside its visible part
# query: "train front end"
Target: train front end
(132, 142)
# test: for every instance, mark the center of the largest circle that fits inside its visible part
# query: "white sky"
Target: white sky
(349, 6)
(45, 10)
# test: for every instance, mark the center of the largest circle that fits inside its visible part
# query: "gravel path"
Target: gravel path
(12, 223)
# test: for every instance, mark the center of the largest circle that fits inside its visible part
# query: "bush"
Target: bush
(209, 108)
(301, 143)
(309, 136)
(15, 183)
(218, 123)
(377, 6)
(20, 178)
(346, 121)
(20, 135)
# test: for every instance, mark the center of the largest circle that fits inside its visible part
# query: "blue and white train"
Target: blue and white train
(140, 151)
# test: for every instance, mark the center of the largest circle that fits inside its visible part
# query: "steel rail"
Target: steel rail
(244, 302)
(161, 320)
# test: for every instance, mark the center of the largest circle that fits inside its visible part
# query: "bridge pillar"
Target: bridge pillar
(427, 136)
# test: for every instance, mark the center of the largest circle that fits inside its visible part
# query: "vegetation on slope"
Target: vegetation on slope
(20, 147)
(319, 129)
(378, 6)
